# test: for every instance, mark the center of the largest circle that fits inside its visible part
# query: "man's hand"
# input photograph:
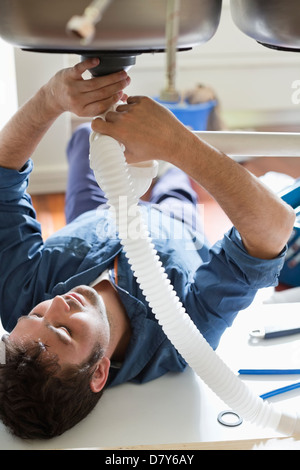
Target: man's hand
(66, 91)
(69, 91)
(149, 131)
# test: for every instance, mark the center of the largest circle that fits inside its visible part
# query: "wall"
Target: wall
(8, 90)
(253, 83)
(50, 165)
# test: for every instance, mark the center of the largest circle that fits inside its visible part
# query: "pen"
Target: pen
(268, 371)
(278, 391)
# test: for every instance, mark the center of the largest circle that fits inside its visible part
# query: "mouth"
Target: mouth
(74, 296)
(84, 297)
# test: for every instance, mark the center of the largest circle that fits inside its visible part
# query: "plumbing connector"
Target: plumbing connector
(84, 26)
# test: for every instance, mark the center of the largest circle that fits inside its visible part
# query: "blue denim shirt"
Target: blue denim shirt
(213, 285)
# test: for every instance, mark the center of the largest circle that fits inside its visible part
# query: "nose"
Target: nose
(57, 308)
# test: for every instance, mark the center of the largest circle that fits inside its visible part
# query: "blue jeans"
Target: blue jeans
(172, 191)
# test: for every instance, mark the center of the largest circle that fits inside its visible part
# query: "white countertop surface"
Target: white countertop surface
(179, 408)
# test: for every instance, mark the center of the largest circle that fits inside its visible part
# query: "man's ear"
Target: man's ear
(100, 375)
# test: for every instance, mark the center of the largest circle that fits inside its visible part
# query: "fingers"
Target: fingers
(123, 108)
(103, 81)
(79, 69)
(101, 126)
(100, 100)
(100, 106)
(101, 90)
(95, 82)
(130, 102)
(117, 122)
(135, 99)
(96, 95)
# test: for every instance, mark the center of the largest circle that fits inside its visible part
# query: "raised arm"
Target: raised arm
(66, 91)
(149, 131)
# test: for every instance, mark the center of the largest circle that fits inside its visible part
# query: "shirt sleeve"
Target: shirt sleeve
(20, 237)
(14, 183)
(226, 284)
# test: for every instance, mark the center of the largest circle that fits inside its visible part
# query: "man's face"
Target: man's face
(68, 325)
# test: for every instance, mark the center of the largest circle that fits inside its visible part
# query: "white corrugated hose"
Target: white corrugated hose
(112, 174)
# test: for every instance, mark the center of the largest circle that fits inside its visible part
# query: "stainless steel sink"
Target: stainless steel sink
(274, 23)
(127, 25)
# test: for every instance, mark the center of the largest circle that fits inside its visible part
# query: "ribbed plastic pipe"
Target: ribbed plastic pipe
(109, 165)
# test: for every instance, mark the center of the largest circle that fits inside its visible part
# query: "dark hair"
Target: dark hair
(39, 399)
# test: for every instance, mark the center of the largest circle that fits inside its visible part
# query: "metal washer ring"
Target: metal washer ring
(230, 424)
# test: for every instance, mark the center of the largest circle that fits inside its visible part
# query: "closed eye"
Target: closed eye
(66, 329)
(65, 336)
(62, 327)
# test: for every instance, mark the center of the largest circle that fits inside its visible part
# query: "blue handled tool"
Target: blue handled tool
(269, 332)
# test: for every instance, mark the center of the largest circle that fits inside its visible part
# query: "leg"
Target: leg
(175, 196)
(83, 193)
(174, 193)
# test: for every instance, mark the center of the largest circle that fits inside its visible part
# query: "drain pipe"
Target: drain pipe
(112, 174)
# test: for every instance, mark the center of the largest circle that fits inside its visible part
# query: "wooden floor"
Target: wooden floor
(50, 208)
(50, 212)
(215, 220)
